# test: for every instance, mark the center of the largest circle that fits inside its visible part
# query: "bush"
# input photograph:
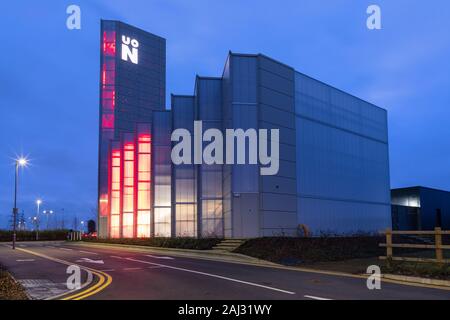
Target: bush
(6, 235)
(181, 243)
(429, 270)
(294, 251)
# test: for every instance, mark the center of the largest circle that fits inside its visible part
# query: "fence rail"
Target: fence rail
(437, 246)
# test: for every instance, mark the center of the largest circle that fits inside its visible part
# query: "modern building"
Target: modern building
(333, 174)
(132, 85)
(420, 208)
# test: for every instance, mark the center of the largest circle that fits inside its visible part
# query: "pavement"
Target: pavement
(120, 272)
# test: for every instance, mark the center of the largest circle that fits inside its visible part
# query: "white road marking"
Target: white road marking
(25, 260)
(159, 257)
(214, 276)
(130, 269)
(316, 298)
(116, 257)
(155, 267)
(107, 270)
(90, 261)
(66, 249)
(88, 252)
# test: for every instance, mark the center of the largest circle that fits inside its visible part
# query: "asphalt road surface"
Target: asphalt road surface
(121, 273)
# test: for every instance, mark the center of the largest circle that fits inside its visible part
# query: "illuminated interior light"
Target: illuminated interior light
(115, 193)
(144, 186)
(128, 197)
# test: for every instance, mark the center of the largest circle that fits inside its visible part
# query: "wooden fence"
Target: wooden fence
(437, 246)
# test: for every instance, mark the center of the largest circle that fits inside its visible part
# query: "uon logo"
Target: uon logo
(130, 49)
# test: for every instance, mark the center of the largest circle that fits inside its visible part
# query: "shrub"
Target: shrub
(181, 243)
(6, 235)
(287, 250)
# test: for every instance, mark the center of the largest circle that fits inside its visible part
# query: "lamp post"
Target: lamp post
(47, 213)
(21, 162)
(38, 203)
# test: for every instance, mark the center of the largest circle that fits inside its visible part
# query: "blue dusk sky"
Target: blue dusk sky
(49, 78)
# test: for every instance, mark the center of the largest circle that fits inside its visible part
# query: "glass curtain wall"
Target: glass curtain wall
(143, 180)
(185, 193)
(162, 130)
(115, 189)
(107, 109)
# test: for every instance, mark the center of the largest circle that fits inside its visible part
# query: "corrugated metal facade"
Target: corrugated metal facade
(342, 160)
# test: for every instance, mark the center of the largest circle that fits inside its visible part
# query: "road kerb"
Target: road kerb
(427, 281)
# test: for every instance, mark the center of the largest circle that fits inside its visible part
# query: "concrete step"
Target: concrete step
(228, 245)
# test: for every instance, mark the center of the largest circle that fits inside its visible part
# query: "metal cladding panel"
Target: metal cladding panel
(141, 85)
(209, 107)
(324, 216)
(278, 193)
(226, 170)
(244, 115)
(409, 197)
(405, 218)
(241, 112)
(430, 201)
(342, 167)
(209, 95)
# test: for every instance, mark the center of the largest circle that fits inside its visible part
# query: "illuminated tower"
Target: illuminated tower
(132, 85)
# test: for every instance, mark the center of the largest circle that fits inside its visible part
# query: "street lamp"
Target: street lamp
(20, 162)
(47, 213)
(38, 203)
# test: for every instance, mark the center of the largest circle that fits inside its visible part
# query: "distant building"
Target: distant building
(420, 208)
(333, 154)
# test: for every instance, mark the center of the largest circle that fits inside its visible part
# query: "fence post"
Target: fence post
(438, 245)
(388, 246)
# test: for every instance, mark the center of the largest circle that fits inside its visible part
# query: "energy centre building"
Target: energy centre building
(333, 172)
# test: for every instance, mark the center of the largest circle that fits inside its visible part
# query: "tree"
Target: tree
(91, 226)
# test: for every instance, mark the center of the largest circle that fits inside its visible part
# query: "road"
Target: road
(121, 273)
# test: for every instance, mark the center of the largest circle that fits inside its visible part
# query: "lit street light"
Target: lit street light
(20, 162)
(36, 221)
(47, 213)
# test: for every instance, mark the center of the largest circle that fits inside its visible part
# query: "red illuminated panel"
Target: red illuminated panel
(108, 77)
(107, 124)
(103, 205)
(109, 43)
(115, 194)
(128, 191)
(108, 121)
(143, 186)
